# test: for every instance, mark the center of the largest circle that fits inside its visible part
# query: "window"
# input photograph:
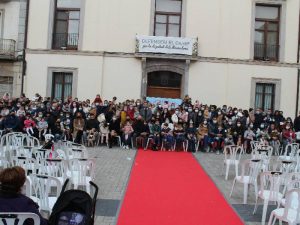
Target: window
(62, 85)
(168, 15)
(67, 20)
(264, 96)
(267, 20)
(6, 85)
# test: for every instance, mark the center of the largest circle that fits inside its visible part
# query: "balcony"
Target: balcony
(7, 49)
(266, 52)
(65, 41)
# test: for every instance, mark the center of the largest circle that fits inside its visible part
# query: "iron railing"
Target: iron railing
(65, 41)
(7, 48)
(266, 52)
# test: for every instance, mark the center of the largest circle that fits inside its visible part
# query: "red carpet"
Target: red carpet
(171, 188)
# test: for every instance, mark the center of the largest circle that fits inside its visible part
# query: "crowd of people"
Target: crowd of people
(159, 125)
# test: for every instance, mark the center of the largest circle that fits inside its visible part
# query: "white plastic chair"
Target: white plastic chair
(264, 153)
(254, 145)
(18, 218)
(291, 212)
(293, 184)
(81, 172)
(290, 152)
(269, 191)
(28, 164)
(41, 189)
(250, 171)
(55, 168)
(48, 137)
(3, 163)
(232, 157)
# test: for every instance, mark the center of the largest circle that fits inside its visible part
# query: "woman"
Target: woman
(78, 125)
(11, 199)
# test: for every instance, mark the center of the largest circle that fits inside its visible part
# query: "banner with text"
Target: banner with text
(167, 45)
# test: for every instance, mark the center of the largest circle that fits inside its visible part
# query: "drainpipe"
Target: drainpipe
(25, 46)
(297, 97)
(298, 78)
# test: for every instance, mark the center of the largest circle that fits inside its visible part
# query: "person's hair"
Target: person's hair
(12, 179)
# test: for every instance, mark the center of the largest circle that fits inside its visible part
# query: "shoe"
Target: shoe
(218, 152)
(127, 147)
(124, 146)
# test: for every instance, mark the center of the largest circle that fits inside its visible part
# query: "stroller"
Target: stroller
(74, 207)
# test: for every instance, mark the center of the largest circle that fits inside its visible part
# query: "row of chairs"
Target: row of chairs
(47, 169)
(278, 180)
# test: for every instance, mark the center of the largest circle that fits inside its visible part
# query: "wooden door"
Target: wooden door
(164, 84)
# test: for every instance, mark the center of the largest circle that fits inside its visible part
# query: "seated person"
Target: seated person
(202, 135)
(92, 125)
(155, 134)
(114, 129)
(141, 131)
(219, 139)
(11, 199)
(127, 134)
(167, 136)
(249, 136)
(179, 134)
(191, 137)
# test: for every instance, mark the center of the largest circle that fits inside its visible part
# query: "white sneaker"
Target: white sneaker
(124, 146)
(127, 147)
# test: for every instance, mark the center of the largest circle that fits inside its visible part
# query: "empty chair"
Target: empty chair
(18, 218)
(55, 168)
(290, 152)
(3, 163)
(232, 157)
(81, 172)
(41, 191)
(28, 164)
(291, 212)
(49, 137)
(250, 171)
(293, 184)
(254, 145)
(269, 191)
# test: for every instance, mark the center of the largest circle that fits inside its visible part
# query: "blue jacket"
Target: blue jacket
(19, 203)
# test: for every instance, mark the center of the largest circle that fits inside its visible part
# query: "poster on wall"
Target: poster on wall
(167, 45)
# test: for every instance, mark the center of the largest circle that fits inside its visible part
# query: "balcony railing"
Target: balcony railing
(7, 48)
(65, 41)
(266, 52)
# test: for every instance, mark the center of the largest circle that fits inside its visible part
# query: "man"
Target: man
(11, 122)
(146, 112)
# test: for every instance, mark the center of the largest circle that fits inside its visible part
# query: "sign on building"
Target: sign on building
(167, 45)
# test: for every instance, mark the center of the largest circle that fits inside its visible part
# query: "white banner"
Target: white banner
(167, 45)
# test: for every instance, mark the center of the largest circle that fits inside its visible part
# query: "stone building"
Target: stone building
(243, 53)
(12, 35)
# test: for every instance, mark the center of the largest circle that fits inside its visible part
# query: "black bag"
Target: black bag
(74, 207)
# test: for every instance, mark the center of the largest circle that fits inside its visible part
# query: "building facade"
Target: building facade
(12, 36)
(239, 53)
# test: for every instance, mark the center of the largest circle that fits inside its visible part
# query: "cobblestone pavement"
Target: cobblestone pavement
(113, 168)
(213, 165)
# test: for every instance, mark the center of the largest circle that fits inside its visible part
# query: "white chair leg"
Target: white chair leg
(227, 171)
(236, 169)
(271, 222)
(255, 206)
(246, 186)
(232, 186)
(264, 214)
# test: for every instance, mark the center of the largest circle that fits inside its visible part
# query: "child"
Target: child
(127, 132)
(28, 125)
(42, 126)
(104, 130)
